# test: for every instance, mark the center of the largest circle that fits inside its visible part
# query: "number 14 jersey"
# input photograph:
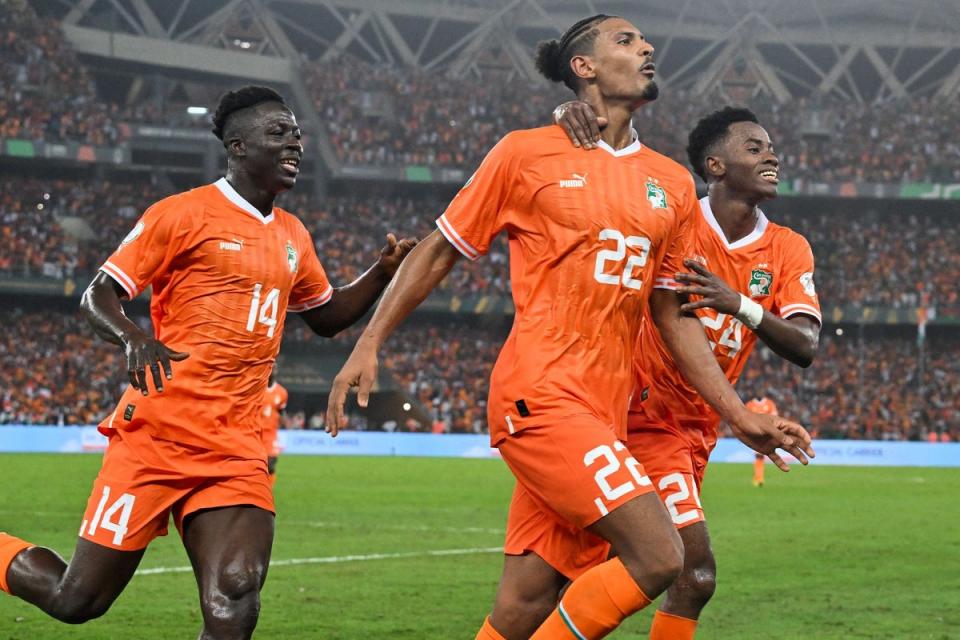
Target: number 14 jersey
(591, 233)
(223, 277)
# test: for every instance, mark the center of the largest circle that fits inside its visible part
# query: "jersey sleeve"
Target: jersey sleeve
(147, 251)
(284, 395)
(681, 244)
(311, 289)
(476, 215)
(798, 294)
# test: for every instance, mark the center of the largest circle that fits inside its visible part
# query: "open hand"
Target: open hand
(714, 292)
(766, 433)
(143, 352)
(359, 372)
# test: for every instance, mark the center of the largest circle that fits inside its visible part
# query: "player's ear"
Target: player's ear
(583, 67)
(714, 166)
(237, 147)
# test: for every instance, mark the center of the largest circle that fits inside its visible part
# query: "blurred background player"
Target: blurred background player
(594, 238)
(225, 266)
(761, 405)
(749, 278)
(274, 403)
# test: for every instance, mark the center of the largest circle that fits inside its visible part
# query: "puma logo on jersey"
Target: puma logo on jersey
(235, 245)
(577, 182)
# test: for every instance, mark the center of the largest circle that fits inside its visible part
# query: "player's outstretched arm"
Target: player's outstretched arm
(419, 274)
(101, 306)
(794, 339)
(683, 335)
(348, 304)
(580, 122)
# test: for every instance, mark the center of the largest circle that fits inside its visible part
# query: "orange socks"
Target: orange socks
(667, 626)
(9, 548)
(594, 605)
(758, 471)
(487, 632)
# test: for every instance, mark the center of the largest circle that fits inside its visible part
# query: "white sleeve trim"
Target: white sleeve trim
(313, 303)
(454, 238)
(798, 308)
(125, 281)
(666, 283)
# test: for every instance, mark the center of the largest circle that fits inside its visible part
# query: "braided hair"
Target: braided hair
(553, 56)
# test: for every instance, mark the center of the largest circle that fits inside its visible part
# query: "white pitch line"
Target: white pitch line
(338, 559)
(398, 527)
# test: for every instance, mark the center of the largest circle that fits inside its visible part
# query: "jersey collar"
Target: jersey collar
(231, 194)
(751, 237)
(633, 147)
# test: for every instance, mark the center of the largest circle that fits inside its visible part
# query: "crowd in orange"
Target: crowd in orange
(389, 115)
(54, 370)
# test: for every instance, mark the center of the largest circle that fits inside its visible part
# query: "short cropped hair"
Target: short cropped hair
(710, 131)
(554, 56)
(242, 98)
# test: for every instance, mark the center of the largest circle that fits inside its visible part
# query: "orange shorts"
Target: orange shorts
(676, 461)
(132, 501)
(568, 476)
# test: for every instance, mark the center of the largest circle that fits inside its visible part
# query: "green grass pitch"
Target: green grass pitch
(823, 552)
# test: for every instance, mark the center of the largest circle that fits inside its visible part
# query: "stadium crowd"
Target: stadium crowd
(390, 115)
(383, 116)
(53, 370)
(866, 260)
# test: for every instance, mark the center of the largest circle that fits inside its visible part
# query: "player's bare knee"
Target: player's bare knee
(655, 569)
(233, 599)
(80, 609)
(694, 587)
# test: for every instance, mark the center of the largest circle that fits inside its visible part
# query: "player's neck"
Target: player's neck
(243, 184)
(736, 216)
(619, 130)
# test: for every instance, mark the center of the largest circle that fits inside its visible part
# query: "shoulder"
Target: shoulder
(291, 222)
(533, 143)
(666, 167)
(185, 201)
(787, 240)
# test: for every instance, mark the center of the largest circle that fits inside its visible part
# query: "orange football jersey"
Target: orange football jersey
(274, 402)
(773, 265)
(763, 405)
(591, 233)
(223, 279)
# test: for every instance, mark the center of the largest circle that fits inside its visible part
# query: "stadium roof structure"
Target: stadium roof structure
(857, 50)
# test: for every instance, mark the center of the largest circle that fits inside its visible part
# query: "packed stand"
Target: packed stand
(45, 92)
(873, 391)
(54, 370)
(376, 115)
(388, 115)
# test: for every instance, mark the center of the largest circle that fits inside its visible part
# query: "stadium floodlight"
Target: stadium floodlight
(197, 111)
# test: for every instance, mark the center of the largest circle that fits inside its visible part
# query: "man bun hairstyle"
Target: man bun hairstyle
(710, 131)
(239, 99)
(553, 56)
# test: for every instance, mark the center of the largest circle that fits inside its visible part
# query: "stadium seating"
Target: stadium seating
(53, 370)
(389, 116)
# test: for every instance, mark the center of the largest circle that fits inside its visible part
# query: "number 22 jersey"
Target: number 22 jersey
(223, 277)
(591, 233)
